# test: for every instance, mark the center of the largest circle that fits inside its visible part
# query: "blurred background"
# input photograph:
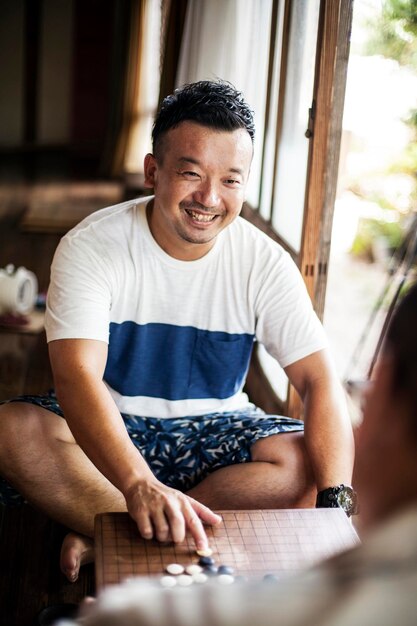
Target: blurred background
(376, 203)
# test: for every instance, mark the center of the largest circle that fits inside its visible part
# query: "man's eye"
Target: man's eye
(191, 174)
(232, 181)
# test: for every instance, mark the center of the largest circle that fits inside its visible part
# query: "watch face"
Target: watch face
(346, 499)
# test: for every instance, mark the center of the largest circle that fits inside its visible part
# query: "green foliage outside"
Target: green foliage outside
(370, 233)
(392, 35)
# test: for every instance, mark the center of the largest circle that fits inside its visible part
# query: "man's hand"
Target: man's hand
(167, 514)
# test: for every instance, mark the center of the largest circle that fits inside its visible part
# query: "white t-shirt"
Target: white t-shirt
(179, 333)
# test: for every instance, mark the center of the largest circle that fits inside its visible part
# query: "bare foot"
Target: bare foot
(76, 550)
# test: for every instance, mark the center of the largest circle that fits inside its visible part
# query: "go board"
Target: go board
(254, 543)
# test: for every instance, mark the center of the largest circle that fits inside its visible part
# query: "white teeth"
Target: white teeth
(199, 217)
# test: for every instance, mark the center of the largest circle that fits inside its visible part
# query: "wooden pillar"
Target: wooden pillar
(32, 27)
(325, 136)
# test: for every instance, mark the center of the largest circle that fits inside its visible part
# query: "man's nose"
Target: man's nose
(207, 194)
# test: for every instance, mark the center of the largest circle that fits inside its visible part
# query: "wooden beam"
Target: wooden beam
(32, 25)
(325, 127)
(331, 69)
(174, 31)
(333, 150)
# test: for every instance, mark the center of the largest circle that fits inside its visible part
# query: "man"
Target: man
(373, 584)
(153, 308)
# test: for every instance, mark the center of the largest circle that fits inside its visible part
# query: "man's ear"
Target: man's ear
(150, 169)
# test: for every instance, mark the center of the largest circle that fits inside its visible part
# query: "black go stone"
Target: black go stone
(225, 569)
(211, 570)
(205, 561)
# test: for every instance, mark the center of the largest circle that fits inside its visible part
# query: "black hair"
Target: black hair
(401, 342)
(216, 104)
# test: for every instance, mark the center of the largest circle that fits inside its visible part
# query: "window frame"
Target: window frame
(324, 129)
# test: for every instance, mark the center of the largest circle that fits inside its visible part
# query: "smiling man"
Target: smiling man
(153, 309)
(199, 176)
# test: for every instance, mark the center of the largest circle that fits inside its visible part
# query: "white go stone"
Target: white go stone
(168, 581)
(225, 579)
(200, 578)
(175, 569)
(184, 580)
(193, 569)
(206, 552)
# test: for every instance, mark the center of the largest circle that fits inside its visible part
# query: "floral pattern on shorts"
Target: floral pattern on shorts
(181, 452)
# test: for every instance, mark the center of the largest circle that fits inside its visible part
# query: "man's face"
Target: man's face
(199, 184)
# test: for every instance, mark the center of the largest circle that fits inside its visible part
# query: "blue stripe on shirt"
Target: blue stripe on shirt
(176, 362)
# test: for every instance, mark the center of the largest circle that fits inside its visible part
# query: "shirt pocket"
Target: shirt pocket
(219, 364)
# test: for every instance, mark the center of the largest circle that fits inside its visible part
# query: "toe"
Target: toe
(76, 551)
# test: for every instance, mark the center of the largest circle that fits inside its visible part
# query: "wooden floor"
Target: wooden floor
(29, 542)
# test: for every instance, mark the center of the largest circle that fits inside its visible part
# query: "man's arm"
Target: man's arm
(328, 431)
(78, 366)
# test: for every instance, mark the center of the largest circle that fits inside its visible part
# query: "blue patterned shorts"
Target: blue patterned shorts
(181, 452)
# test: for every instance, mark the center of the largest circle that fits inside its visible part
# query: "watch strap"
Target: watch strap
(327, 498)
(340, 496)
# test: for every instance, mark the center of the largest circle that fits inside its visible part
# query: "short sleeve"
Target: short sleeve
(79, 294)
(287, 324)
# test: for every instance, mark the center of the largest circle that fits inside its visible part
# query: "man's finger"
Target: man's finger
(196, 528)
(204, 513)
(161, 526)
(144, 524)
(176, 523)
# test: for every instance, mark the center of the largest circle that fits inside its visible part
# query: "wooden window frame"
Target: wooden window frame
(324, 127)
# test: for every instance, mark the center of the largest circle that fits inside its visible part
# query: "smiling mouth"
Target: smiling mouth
(200, 217)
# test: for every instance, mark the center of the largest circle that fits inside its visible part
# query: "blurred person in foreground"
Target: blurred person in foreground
(372, 584)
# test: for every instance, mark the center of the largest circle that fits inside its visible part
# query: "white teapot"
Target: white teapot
(18, 290)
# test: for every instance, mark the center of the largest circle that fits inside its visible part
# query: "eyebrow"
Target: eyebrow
(186, 159)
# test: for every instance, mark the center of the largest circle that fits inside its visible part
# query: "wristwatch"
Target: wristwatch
(341, 496)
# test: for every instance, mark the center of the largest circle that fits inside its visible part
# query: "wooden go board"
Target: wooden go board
(254, 543)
